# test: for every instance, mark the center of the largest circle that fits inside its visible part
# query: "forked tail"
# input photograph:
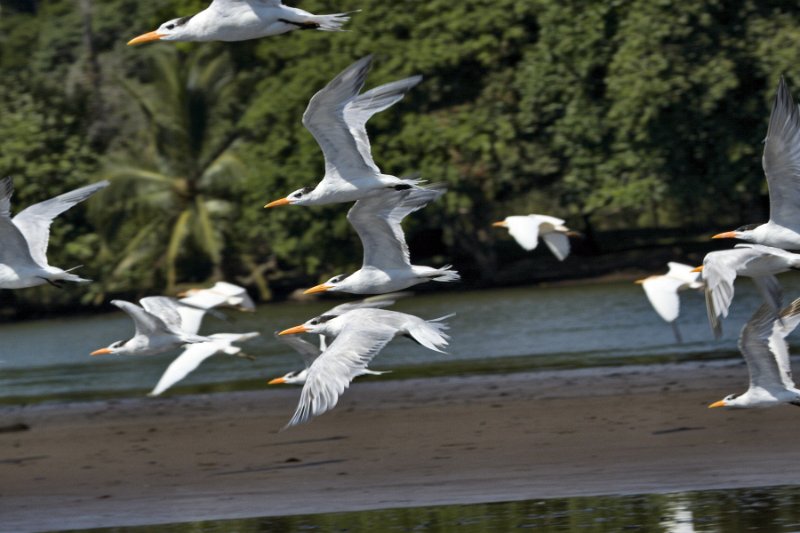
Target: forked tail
(431, 333)
(447, 274)
(331, 22)
(368, 372)
(65, 275)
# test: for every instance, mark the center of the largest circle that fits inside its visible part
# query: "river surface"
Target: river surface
(493, 330)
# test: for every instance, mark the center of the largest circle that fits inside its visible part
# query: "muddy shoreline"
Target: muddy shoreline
(401, 443)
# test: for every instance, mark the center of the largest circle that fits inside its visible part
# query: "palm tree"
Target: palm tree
(164, 215)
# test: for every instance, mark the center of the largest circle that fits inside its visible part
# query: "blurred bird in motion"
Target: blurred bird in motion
(527, 230)
(662, 291)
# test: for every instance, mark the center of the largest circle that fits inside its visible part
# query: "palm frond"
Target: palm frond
(207, 234)
(180, 230)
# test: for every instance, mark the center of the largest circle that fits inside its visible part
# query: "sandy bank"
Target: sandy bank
(390, 444)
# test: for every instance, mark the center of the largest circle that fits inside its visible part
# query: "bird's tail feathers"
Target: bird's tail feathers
(368, 372)
(332, 22)
(431, 334)
(412, 181)
(65, 275)
(451, 315)
(438, 186)
(446, 274)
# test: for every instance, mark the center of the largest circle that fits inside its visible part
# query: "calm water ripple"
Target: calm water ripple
(546, 325)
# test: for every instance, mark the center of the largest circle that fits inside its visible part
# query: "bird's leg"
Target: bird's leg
(677, 332)
(302, 25)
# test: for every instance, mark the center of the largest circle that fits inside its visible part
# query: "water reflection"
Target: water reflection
(773, 509)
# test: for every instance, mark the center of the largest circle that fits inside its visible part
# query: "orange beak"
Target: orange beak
(717, 404)
(145, 38)
(276, 381)
(698, 269)
(725, 235)
(318, 288)
(501, 224)
(294, 330)
(101, 351)
(277, 203)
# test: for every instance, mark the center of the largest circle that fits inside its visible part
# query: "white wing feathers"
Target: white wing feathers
(558, 244)
(325, 119)
(377, 221)
(524, 230)
(145, 323)
(34, 221)
(191, 318)
(222, 293)
(223, 5)
(164, 308)
(429, 333)
(13, 248)
(685, 273)
(358, 111)
(781, 160)
(346, 357)
(790, 318)
(763, 345)
(6, 191)
(194, 354)
(186, 362)
(662, 291)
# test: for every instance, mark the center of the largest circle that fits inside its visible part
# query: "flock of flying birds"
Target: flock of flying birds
(762, 340)
(352, 334)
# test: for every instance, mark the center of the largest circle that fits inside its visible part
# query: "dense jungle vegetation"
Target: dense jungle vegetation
(613, 115)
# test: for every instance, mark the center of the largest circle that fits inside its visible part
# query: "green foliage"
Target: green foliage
(171, 190)
(608, 114)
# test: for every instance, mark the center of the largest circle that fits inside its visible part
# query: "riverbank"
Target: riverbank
(623, 430)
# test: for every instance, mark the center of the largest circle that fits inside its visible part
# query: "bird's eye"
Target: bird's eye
(314, 322)
(170, 26)
(298, 194)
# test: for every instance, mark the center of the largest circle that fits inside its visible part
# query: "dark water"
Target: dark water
(493, 331)
(772, 509)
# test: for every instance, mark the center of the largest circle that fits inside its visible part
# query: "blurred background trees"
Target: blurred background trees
(618, 115)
